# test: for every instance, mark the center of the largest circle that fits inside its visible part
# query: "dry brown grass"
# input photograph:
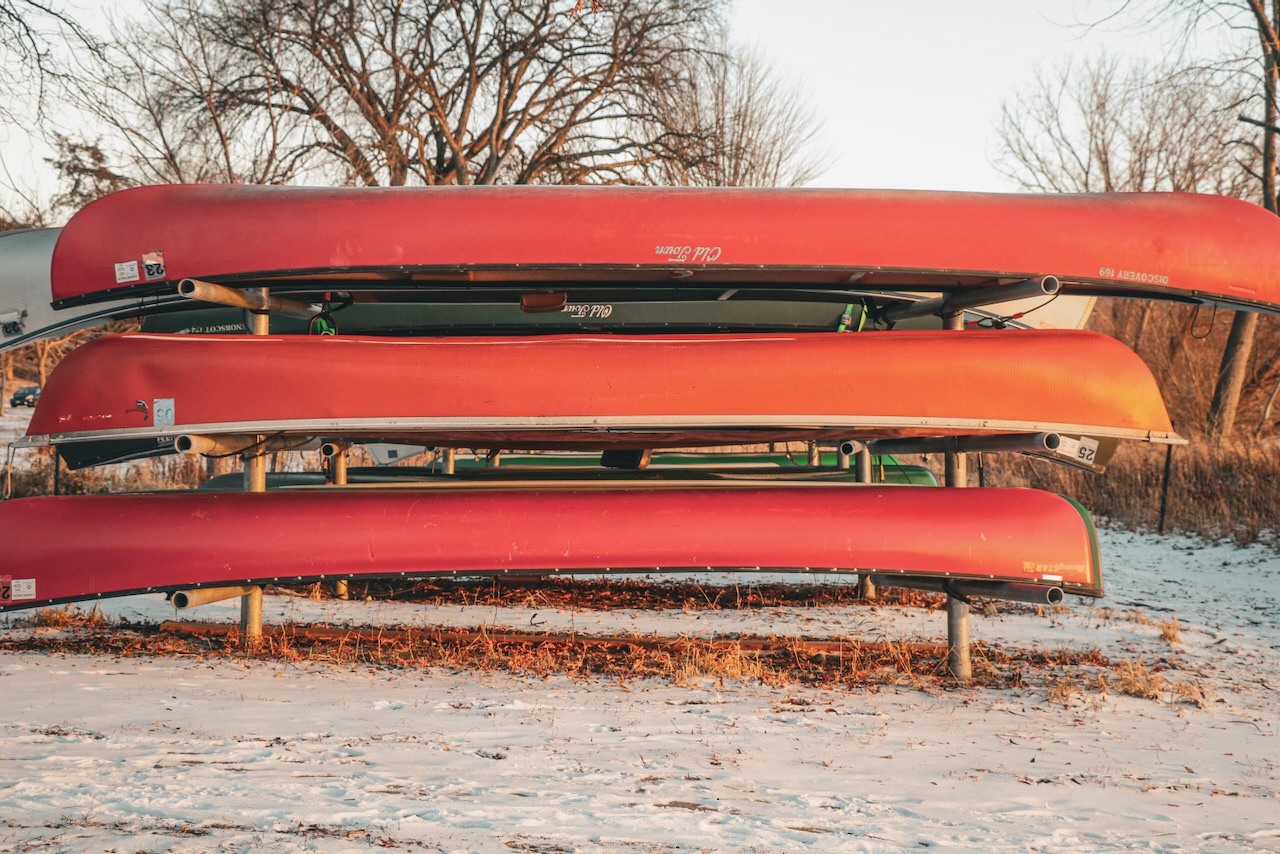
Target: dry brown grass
(36, 476)
(1170, 631)
(1067, 690)
(1068, 677)
(1132, 678)
(1129, 677)
(1183, 346)
(67, 617)
(1215, 491)
(596, 594)
(843, 662)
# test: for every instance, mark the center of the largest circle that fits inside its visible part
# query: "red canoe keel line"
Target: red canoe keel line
(139, 543)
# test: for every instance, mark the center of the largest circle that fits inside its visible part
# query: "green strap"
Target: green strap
(847, 318)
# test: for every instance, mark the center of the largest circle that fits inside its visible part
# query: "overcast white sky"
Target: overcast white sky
(909, 91)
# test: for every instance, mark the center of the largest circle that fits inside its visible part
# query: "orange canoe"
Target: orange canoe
(136, 393)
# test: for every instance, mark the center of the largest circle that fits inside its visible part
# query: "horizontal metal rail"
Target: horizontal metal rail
(1043, 286)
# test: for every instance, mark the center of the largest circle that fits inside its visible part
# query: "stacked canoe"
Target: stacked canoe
(622, 323)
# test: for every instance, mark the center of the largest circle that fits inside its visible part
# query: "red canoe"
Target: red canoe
(599, 391)
(143, 241)
(154, 542)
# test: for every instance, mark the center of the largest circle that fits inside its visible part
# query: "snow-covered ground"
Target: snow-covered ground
(179, 755)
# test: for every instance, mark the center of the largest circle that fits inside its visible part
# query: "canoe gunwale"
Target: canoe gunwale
(598, 426)
(809, 280)
(1089, 591)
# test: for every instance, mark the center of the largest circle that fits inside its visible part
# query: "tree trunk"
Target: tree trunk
(1235, 356)
(1231, 375)
(1266, 411)
(42, 351)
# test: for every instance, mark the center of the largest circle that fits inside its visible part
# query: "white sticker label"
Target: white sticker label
(127, 271)
(153, 266)
(16, 589)
(1082, 450)
(1088, 450)
(162, 408)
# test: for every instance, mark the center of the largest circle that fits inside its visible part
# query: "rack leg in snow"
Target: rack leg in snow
(957, 475)
(866, 587)
(337, 453)
(255, 480)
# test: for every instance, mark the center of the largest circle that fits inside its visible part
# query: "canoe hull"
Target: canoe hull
(601, 391)
(142, 241)
(157, 542)
(25, 313)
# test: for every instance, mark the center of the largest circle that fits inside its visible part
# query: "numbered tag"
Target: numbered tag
(1082, 450)
(16, 589)
(1086, 452)
(153, 266)
(162, 409)
(13, 322)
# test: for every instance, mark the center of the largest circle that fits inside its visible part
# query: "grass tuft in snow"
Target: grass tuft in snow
(1128, 677)
(66, 617)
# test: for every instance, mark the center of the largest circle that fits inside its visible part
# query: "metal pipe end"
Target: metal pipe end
(189, 444)
(194, 598)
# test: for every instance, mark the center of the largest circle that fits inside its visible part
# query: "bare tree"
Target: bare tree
(85, 172)
(742, 126)
(1253, 30)
(379, 93)
(458, 92)
(1101, 126)
(163, 113)
(22, 211)
(1244, 327)
(27, 29)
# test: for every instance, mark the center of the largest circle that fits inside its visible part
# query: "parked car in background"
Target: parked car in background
(25, 396)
